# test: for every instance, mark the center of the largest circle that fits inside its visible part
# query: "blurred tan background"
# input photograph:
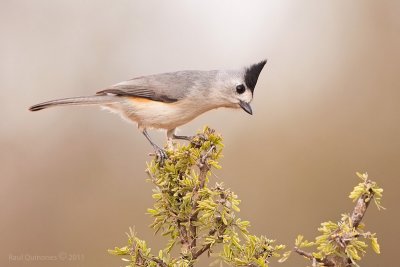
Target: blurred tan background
(326, 106)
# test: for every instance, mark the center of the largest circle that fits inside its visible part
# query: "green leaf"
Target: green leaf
(362, 176)
(375, 245)
(119, 251)
(298, 240)
(224, 219)
(285, 256)
(235, 208)
(352, 253)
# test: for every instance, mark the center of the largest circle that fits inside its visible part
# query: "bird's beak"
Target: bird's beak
(246, 107)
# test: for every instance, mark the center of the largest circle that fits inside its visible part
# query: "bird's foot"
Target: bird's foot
(161, 155)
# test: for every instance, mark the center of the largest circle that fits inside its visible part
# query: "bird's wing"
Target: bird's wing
(167, 87)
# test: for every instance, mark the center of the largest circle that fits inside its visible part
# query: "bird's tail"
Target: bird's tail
(79, 101)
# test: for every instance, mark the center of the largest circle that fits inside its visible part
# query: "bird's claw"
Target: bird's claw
(161, 155)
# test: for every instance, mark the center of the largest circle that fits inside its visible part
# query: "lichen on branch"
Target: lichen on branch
(196, 217)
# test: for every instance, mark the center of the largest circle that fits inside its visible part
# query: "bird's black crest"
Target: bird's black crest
(251, 74)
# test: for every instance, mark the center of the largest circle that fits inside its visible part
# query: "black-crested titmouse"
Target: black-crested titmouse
(168, 100)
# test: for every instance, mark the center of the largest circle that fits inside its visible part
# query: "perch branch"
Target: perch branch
(204, 168)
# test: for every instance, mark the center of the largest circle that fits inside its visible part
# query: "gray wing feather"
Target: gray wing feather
(165, 87)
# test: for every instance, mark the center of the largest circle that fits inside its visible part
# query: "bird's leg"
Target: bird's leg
(183, 137)
(171, 135)
(170, 142)
(160, 153)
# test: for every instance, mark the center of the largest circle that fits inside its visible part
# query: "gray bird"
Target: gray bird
(169, 100)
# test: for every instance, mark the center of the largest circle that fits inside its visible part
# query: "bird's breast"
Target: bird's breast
(156, 114)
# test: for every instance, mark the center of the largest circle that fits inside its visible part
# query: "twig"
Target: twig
(160, 262)
(361, 207)
(183, 234)
(303, 253)
(356, 217)
(142, 259)
(309, 256)
(204, 168)
(201, 251)
(206, 247)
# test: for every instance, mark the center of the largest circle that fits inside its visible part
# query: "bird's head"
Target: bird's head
(242, 85)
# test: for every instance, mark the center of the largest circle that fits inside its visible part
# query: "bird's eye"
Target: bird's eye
(240, 89)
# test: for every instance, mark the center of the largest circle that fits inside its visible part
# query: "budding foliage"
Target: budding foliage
(343, 243)
(196, 217)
